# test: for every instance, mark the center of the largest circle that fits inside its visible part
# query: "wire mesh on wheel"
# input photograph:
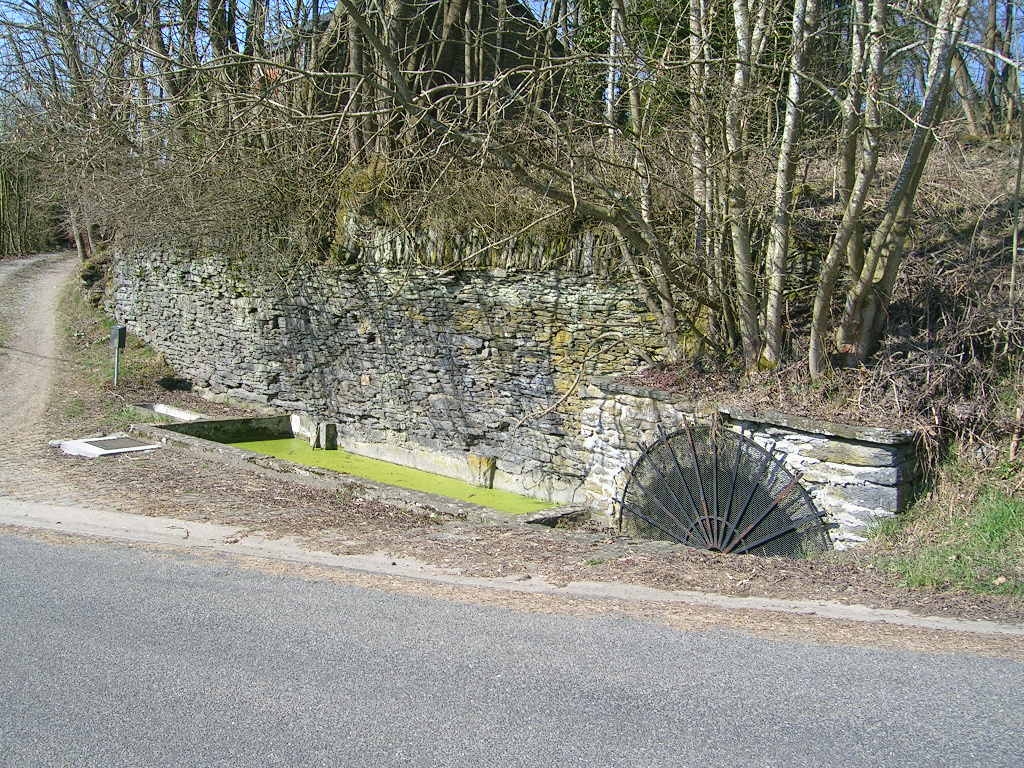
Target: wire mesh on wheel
(718, 490)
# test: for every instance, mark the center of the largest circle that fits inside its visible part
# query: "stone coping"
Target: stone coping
(866, 434)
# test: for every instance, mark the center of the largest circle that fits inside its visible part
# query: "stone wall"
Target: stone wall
(856, 476)
(586, 253)
(482, 361)
(439, 369)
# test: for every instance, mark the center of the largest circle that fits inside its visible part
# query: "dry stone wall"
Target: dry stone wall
(455, 370)
(856, 476)
(481, 361)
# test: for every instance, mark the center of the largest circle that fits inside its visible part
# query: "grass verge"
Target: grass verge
(967, 534)
(85, 397)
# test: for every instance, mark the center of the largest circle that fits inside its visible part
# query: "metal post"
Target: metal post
(118, 337)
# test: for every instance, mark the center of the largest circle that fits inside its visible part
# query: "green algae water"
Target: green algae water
(299, 451)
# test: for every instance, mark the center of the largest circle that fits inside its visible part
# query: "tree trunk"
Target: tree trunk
(612, 77)
(778, 241)
(869, 48)
(990, 81)
(867, 298)
(356, 136)
(974, 113)
(739, 227)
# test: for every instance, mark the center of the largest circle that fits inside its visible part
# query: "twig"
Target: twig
(1018, 432)
(1016, 228)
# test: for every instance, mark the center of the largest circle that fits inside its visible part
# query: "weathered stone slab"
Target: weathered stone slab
(858, 454)
(481, 469)
(820, 427)
(845, 474)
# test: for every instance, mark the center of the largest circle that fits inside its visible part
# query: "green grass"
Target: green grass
(89, 328)
(299, 451)
(971, 537)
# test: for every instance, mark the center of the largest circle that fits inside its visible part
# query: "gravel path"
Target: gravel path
(28, 292)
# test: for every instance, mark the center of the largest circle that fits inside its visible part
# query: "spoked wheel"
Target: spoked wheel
(720, 491)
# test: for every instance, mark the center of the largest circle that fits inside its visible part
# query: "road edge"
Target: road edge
(212, 537)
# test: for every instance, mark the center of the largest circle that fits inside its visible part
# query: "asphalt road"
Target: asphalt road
(117, 656)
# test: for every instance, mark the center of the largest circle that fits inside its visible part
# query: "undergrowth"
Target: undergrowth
(968, 533)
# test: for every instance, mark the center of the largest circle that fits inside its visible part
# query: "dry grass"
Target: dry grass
(951, 363)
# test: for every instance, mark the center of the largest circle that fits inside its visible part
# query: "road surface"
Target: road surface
(123, 656)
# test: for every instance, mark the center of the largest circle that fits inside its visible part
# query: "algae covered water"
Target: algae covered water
(299, 451)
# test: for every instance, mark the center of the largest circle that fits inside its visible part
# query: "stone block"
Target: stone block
(857, 454)
(843, 475)
(302, 425)
(863, 496)
(325, 436)
(481, 469)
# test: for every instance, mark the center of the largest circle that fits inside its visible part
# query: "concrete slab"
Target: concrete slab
(92, 448)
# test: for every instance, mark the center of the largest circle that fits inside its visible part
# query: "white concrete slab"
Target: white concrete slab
(94, 447)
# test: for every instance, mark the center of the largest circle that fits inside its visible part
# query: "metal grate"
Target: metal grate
(117, 443)
(718, 490)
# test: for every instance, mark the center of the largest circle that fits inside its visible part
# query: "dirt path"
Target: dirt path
(28, 293)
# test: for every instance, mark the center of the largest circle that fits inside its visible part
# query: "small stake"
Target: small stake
(118, 336)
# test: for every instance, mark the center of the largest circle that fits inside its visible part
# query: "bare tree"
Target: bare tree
(676, 129)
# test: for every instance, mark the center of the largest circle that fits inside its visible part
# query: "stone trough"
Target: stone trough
(215, 438)
(856, 476)
(498, 375)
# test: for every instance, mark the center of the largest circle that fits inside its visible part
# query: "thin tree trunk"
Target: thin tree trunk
(169, 77)
(871, 49)
(698, 128)
(1009, 81)
(612, 79)
(990, 82)
(357, 139)
(76, 234)
(739, 227)
(977, 123)
(778, 239)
